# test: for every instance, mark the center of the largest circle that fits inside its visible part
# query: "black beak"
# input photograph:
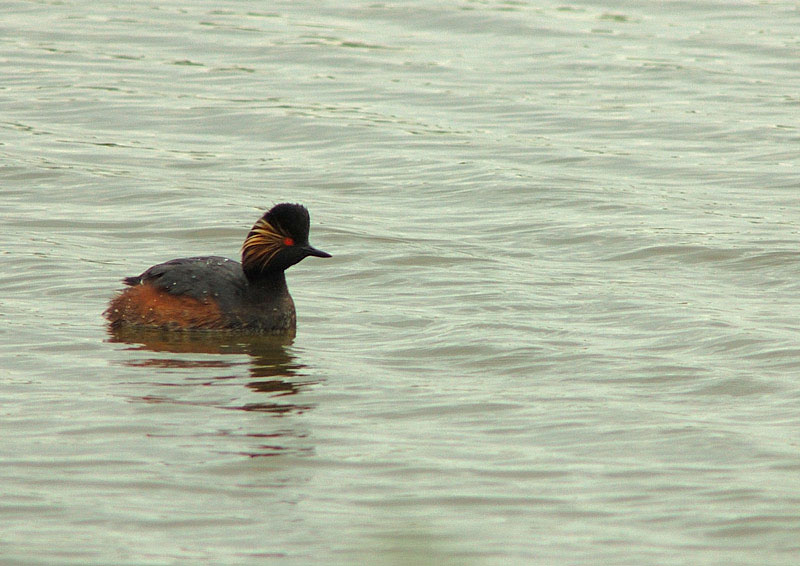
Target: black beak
(311, 250)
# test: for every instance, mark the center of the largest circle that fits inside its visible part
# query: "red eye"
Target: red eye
(288, 241)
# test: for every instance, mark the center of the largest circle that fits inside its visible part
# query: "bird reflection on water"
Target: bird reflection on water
(263, 364)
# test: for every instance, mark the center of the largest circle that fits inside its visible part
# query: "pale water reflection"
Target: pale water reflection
(262, 364)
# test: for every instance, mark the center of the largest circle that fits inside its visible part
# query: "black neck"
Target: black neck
(271, 282)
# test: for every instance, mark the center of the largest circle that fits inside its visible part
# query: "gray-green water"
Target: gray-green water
(561, 321)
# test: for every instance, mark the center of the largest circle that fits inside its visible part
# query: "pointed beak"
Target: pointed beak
(311, 250)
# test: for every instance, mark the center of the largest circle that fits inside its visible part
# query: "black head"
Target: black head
(277, 241)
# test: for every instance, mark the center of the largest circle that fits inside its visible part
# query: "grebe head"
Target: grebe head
(277, 241)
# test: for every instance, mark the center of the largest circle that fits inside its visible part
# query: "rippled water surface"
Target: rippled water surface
(560, 325)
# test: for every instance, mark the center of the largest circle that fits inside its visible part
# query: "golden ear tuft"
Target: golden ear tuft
(261, 245)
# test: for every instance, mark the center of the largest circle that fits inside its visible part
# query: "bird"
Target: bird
(217, 293)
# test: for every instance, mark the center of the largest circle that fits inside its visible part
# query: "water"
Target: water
(560, 325)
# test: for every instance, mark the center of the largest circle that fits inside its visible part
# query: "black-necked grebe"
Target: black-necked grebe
(216, 293)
